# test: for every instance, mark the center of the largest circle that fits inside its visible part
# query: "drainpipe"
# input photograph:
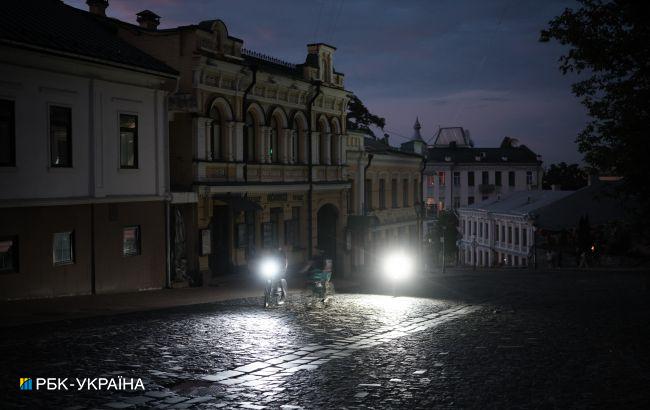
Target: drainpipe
(244, 110)
(365, 169)
(310, 194)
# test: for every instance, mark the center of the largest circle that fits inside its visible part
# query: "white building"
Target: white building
(501, 231)
(83, 164)
(457, 174)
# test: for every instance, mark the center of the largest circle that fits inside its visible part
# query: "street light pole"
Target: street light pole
(442, 239)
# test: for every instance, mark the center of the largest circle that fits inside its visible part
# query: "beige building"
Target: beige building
(255, 148)
(386, 196)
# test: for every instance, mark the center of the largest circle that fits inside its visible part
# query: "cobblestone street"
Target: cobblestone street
(470, 340)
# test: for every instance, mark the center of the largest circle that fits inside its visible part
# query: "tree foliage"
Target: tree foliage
(360, 118)
(609, 44)
(568, 177)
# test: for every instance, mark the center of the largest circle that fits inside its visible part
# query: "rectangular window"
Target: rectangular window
(510, 235)
(497, 178)
(503, 233)
(485, 178)
(63, 248)
(496, 233)
(131, 241)
(393, 193)
(486, 231)
(480, 229)
(367, 194)
(470, 200)
(511, 178)
(129, 141)
(405, 193)
(7, 134)
(456, 178)
(470, 178)
(382, 194)
(60, 137)
(456, 202)
(524, 237)
(9, 254)
(431, 180)
(441, 178)
(529, 177)
(516, 236)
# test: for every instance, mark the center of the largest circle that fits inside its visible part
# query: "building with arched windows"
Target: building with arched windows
(255, 149)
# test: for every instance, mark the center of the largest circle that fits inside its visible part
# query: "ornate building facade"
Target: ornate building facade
(256, 151)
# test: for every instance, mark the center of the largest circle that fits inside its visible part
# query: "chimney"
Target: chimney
(97, 7)
(148, 19)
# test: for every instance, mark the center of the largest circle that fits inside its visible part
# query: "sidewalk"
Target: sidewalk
(30, 311)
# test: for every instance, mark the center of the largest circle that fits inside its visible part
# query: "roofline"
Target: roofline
(175, 75)
(321, 44)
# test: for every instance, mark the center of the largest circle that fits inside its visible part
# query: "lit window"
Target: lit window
(131, 241)
(63, 248)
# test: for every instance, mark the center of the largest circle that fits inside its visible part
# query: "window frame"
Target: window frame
(393, 193)
(136, 139)
(382, 193)
(138, 241)
(50, 109)
(69, 261)
(471, 178)
(405, 192)
(15, 251)
(12, 132)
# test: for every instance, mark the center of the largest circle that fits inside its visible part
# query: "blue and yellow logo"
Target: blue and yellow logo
(25, 383)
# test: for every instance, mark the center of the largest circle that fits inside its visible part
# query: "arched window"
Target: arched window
(334, 143)
(299, 142)
(323, 148)
(249, 138)
(293, 150)
(273, 148)
(216, 143)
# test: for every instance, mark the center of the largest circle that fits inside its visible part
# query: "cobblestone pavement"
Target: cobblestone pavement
(471, 340)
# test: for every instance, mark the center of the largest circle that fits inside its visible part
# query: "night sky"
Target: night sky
(476, 64)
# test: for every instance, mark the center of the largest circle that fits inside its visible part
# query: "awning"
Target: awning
(361, 222)
(238, 203)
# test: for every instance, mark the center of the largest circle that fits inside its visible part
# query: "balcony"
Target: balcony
(232, 172)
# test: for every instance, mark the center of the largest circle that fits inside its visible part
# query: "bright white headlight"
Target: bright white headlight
(270, 268)
(398, 266)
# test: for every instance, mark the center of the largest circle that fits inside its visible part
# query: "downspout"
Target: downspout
(168, 201)
(365, 170)
(310, 192)
(422, 210)
(244, 110)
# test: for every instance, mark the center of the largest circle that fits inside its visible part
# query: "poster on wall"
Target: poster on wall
(206, 244)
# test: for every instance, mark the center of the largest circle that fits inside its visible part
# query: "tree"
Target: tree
(447, 227)
(568, 177)
(360, 118)
(608, 43)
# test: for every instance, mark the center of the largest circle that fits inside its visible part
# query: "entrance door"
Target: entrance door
(326, 227)
(221, 241)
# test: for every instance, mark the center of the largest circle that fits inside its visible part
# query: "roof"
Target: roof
(378, 146)
(53, 26)
(465, 155)
(558, 210)
(449, 135)
(519, 203)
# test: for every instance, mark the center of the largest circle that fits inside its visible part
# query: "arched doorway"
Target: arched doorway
(327, 222)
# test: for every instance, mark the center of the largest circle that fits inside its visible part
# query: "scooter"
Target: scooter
(319, 284)
(275, 289)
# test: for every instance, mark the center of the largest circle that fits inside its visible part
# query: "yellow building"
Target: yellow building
(386, 196)
(256, 149)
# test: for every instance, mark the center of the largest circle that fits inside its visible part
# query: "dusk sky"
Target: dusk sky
(475, 64)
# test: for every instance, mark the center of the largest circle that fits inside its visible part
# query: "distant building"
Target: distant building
(83, 168)
(506, 231)
(458, 174)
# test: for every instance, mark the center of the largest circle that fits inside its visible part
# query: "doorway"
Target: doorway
(327, 221)
(221, 241)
